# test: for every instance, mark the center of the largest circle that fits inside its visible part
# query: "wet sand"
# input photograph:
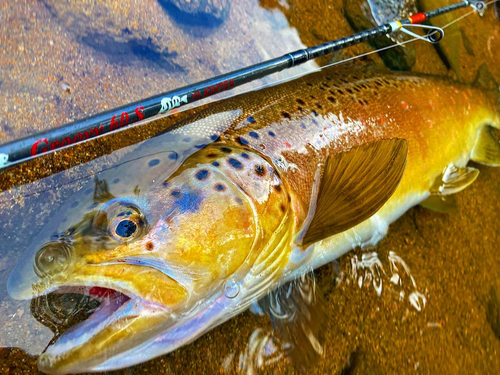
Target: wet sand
(453, 258)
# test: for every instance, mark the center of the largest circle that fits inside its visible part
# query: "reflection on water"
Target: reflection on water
(370, 270)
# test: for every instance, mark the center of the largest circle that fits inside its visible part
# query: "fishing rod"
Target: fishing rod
(111, 121)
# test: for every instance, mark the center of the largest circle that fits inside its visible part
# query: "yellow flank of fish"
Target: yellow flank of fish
(256, 190)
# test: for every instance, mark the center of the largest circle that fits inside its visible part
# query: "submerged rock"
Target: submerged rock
(200, 12)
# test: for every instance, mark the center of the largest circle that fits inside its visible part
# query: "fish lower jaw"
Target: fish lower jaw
(66, 355)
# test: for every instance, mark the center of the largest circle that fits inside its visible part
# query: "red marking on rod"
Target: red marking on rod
(417, 18)
(37, 148)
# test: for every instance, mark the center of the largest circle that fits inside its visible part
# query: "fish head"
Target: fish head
(167, 264)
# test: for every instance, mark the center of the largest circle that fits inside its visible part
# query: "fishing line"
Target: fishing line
(270, 85)
(112, 121)
(359, 56)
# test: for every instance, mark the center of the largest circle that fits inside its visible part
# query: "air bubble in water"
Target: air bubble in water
(231, 289)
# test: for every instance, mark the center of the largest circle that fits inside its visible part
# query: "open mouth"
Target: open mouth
(75, 313)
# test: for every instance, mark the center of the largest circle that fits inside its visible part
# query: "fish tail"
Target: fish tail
(487, 147)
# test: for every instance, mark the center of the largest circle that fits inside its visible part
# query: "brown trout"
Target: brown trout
(199, 222)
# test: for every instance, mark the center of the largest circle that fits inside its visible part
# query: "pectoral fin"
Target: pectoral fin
(487, 147)
(354, 185)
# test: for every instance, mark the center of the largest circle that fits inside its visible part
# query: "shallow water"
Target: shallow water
(59, 63)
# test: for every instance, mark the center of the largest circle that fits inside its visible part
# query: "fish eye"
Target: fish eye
(126, 228)
(122, 220)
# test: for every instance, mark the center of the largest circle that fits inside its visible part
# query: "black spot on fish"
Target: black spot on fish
(199, 147)
(215, 163)
(239, 200)
(271, 134)
(173, 156)
(186, 140)
(309, 84)
(277, 188)
(319, 106)
(303, 126)
(245, 155)
(74, 204)
(235, 163)
(286, 115)
(154, 162)
(214, 137)
(259, 170)
(94, 205)
(175, 193)
(220, 187)
(340, 92)
(314, 122)
(300, 101)
(211, 156)
(315, 113)
(202, 175)
(89, 191)
(312, 97)
(116, 180)
(250, 119)
(242, 141)
(300, 109)
(253, 135)
(328, 78)
(332, 99)
(165, 183)
(282, 208)
(349, 91)
(226, 150)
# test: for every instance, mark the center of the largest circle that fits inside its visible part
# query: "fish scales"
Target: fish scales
(200, 221)
(296, 125)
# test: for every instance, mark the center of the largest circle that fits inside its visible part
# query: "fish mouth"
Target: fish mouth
(89, 342)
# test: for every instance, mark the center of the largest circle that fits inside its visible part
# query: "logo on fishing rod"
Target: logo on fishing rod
(168, 104)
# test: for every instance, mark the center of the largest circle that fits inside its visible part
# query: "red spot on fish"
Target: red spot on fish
(480, 101)
(382, 120)
(405, 105)
(451, 110)
(452, 99)
(465, 95)
(431, 104)
(429, 122)
(436, 93)
(287, 145)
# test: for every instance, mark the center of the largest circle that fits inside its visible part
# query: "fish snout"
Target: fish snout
(53, 258)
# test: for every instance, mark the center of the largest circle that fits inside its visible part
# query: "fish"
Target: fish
(201, 221)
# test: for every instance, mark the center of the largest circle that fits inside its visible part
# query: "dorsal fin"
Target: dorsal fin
(354, 185)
